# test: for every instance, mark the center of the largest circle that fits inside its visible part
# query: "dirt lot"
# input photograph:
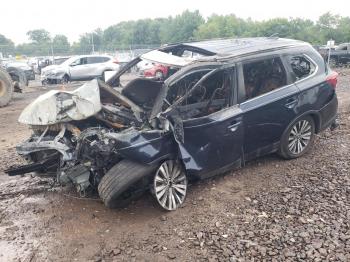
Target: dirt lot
(271, 210)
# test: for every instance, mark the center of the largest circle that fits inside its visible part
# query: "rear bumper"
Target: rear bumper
(329, 113)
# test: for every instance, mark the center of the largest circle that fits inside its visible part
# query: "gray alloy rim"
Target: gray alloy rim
(299, 137)
(170, 185)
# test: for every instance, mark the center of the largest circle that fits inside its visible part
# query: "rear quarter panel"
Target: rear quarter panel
(316, 95)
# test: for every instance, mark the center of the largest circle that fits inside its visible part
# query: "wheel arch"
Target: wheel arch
(315, 115)
(312, 115)
(67, 75)
(317, 120)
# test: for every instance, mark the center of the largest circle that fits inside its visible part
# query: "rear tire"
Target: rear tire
(115, 186)
(6, 88)
(298, 139)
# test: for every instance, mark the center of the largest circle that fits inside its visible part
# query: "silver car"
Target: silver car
(84, 67)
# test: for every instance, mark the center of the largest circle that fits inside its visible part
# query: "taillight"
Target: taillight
(332, 79)
(115, 61)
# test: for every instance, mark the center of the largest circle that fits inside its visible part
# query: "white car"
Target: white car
(76, 68)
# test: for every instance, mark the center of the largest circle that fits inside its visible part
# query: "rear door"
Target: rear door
(95, 66)
(268, 100)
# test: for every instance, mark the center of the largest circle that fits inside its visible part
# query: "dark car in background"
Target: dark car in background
(12, 66)
(340, 55)
(239, 100)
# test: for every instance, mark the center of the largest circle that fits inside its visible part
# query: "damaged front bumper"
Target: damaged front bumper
(29, 147)
(51, 76)
(52, 150)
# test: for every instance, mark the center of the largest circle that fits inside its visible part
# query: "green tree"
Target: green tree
(327, 25)
(181, 28)
(277, 26)
(343, 30)
(7, 47)
(222, 26)
(39, 36)
(60, 45)
(187, 26)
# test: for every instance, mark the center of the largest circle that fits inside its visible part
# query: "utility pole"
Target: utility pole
(53, 60)
(92, 42)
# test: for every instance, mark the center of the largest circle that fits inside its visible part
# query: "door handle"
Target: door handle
(291, 102)
(234, 126)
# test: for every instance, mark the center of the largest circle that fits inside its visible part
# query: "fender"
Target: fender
(145, 147)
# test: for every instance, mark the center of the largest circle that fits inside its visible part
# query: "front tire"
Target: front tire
(298, 138)
(115, 186)
(65, 80)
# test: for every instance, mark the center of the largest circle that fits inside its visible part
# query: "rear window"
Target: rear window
(302, 66)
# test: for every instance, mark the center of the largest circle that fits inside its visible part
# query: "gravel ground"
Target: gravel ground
(270, 210)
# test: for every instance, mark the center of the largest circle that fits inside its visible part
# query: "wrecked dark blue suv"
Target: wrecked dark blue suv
(223, 102)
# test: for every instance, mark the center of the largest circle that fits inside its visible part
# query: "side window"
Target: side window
(76, 62)
(211, 95)
(83, 60)
(104, 59)
(301, 66)
(94, 59)
(344, 48)
(263, 76)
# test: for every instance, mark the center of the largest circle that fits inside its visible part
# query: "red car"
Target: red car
(158, 71)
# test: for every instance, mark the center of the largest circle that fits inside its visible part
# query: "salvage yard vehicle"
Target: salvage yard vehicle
(14, 67)
(239, 100)
(11, 80)
(157, 71)
(340, 55)
(76, 68)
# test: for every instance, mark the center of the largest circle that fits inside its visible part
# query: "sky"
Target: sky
(75, 17)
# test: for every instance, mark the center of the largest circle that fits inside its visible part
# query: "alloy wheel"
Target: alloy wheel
(299, 136)
(170, 185)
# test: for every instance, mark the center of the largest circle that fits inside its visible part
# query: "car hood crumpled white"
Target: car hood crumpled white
(63, 106)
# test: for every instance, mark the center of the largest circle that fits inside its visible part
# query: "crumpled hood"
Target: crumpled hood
(57, 68)
(63, 106)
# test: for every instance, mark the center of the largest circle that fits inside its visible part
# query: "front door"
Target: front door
(79, 69)
(212, 144)
(211, 122)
